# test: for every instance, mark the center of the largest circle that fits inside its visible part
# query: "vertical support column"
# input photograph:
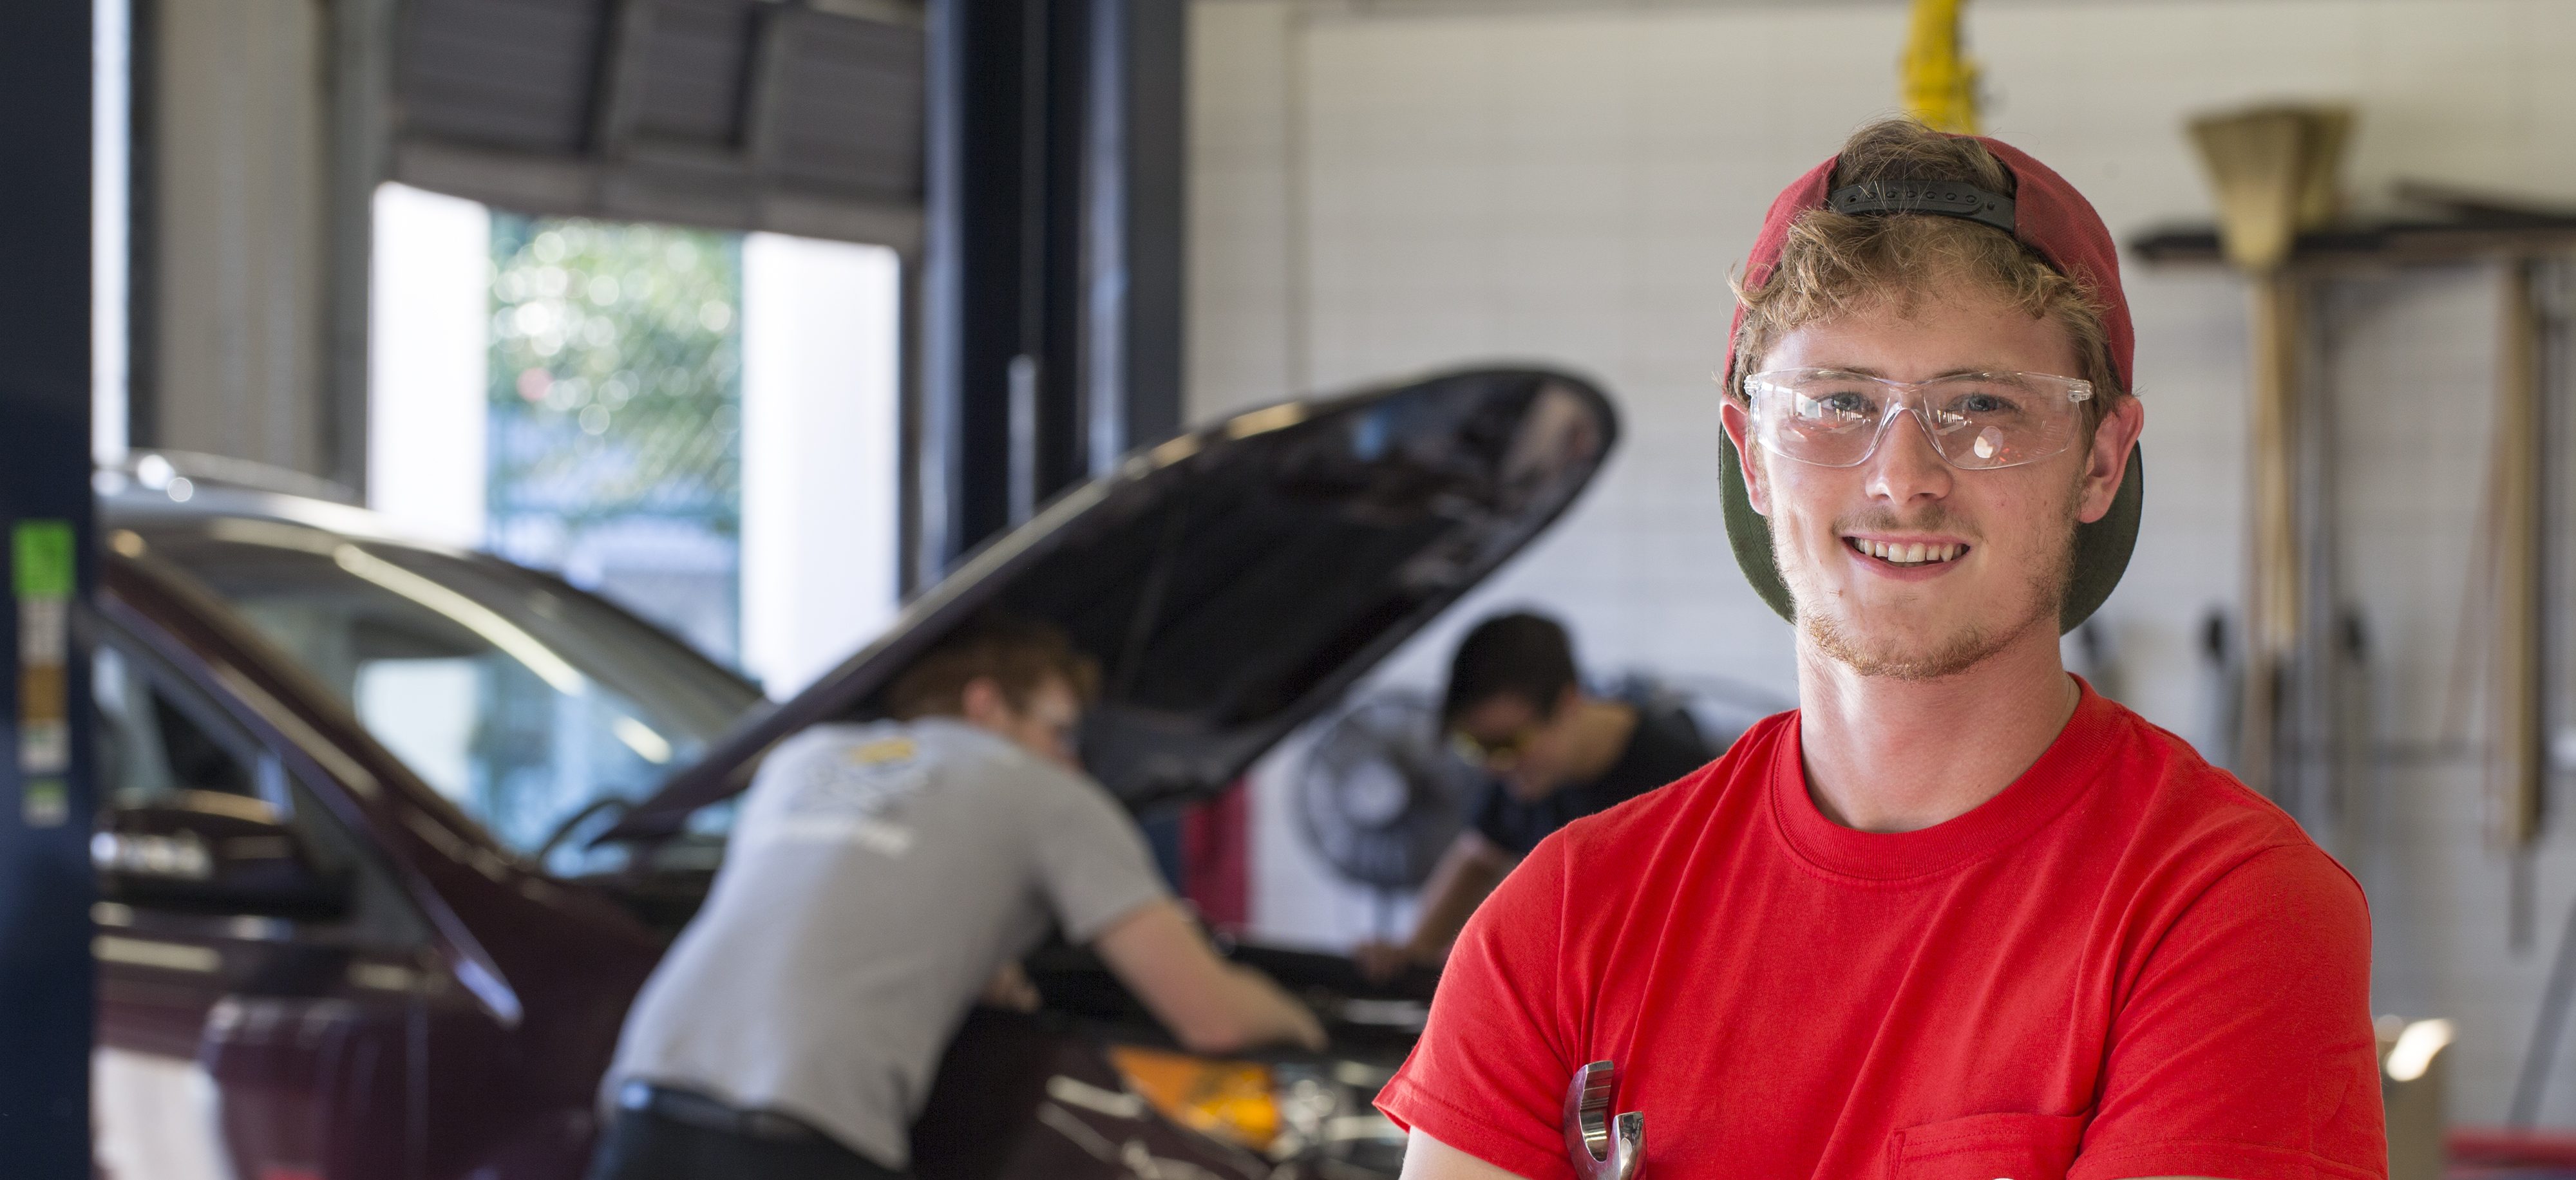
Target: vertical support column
(360, 89)
(934, 280)
(1134, 226)
(988, 375)
(1051, 274)
(143, 22)
(46, 976)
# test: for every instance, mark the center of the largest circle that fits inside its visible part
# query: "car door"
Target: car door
(453, 713)
(245, 1030)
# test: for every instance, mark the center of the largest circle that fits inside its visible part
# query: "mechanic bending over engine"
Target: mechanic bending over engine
(1516, 707)
(1958, 915)
(881, 878)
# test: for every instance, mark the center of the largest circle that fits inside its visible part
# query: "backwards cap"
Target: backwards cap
(2044, 213)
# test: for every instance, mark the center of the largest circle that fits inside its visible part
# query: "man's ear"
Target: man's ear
(2107, 462)
(1738, 423)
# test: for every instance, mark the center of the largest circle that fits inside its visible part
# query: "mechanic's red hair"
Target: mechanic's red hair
(1019, 655)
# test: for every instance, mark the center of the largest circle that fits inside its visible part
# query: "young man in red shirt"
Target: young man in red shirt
(1958, 917)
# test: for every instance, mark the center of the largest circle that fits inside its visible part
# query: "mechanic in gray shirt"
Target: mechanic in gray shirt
(882, 878)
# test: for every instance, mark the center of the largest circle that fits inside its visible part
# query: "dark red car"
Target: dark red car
(393, 832)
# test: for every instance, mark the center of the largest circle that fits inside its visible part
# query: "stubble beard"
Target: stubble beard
(2044, 593)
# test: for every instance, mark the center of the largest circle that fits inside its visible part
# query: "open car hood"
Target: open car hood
(1232, 581)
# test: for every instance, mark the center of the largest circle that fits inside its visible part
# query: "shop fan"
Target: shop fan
(1379, 797)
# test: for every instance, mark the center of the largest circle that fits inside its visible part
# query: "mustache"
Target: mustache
(1934, 519)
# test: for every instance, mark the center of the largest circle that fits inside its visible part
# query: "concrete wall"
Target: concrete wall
(236, 254)
(1382, 187)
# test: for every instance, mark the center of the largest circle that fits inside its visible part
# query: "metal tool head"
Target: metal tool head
(1601, 1148)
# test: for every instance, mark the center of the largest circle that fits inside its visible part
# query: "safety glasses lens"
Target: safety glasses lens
(1497, 756)
(1976, 421)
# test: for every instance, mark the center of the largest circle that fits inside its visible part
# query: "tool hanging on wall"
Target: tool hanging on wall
(2509, 639)
(2509, 595)
(2274, 172)
(2548, 286)
(1938, 79)
(2507, 632)
(2516, 734)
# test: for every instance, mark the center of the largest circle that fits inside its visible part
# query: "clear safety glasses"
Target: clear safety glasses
(1831, 418)
(1498, 757)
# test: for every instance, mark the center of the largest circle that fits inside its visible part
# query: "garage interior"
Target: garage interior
(764, 320)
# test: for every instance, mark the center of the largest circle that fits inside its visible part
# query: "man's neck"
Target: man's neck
(1890, 755)
(1602, 731)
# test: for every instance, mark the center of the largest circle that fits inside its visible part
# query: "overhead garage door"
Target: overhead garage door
(799, 116)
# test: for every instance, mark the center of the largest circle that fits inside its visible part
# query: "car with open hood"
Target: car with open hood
(392, 832)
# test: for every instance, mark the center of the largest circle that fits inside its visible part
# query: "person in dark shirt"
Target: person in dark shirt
(1556, 753)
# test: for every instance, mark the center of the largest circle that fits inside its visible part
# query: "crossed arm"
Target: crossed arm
(1426, 1158)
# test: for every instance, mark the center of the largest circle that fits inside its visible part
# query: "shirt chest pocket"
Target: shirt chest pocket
(1987, 1147)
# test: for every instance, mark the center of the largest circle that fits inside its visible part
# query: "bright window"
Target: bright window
(615, 416)
(700, 426)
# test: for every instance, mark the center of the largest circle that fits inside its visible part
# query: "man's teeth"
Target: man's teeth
(1904, 553)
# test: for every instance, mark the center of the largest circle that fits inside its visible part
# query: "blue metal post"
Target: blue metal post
(47, 985)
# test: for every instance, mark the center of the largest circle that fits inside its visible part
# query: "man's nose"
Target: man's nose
(1907, 467)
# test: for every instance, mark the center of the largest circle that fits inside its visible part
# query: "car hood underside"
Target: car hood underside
(1234, 580)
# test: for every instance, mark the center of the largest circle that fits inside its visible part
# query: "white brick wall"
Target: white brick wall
(1381, 189)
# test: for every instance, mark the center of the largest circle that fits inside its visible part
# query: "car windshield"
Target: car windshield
(528, 704)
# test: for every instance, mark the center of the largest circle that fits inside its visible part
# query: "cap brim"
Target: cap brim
(2102, 548)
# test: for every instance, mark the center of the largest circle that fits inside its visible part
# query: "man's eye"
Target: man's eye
(1845, 405)
(1985, 405)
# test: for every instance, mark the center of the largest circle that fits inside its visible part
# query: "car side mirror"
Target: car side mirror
(211, 853)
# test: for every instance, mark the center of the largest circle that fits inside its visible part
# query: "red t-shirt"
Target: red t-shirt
(2126, 964)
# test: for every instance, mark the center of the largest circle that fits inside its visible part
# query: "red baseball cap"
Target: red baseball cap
(2045, 214)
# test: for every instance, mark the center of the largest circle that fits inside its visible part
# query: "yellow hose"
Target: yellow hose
(1939, 81)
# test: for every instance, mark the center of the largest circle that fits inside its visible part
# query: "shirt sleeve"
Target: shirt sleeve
(1092, 862)
(1488, 1076)
(2245, 1049)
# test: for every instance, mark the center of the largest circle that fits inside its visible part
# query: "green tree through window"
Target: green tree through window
(616, 392)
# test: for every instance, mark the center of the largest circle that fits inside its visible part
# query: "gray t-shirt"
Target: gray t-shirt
(877, 877)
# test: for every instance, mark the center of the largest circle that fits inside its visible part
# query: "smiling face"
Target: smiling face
(1905, 566)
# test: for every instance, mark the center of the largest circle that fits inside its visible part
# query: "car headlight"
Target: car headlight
(1284, 1112)
(1231, 1100)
